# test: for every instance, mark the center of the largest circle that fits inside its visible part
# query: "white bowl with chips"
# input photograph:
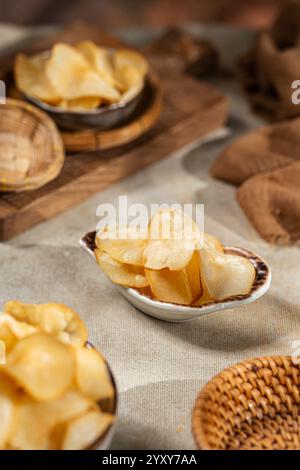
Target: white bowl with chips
(180, 313)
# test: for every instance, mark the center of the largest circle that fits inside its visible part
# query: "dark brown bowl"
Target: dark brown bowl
(102, 118)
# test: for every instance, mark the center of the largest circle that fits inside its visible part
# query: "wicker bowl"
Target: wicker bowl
(31, 149)
(254, 405)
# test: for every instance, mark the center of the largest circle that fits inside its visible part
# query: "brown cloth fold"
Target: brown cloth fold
(269, 69)
(265, 149)
(266, 163)
(272, 203)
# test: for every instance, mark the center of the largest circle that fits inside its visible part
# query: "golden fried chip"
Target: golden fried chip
(36, 421)
(132, 92)
(52, 318)
(212, 242)
(71, 75)
(7, 336)
(172, 240)
(83, 431)
(170, 286)
(193, 274)
(130, 69)
(172, 254)
(100, 59)
(8, 399)
(31, 79)
(11, 330)
(80, 104)
(173, 224)
(120, 273)
(129, 58)
(226, 275)
(124, 244)
(132, 82)
(91, 376)
(42, 365)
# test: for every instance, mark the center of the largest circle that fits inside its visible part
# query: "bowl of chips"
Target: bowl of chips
(56, 390)
(174, 272)
(85, 85)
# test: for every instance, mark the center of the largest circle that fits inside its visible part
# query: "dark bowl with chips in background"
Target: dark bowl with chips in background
(102, 118)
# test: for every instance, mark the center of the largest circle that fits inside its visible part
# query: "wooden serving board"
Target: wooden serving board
(191, 109)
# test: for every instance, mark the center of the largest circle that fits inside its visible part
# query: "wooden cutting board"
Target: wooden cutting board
(191, 109)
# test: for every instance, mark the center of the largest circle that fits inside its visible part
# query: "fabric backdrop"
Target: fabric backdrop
(159, 366)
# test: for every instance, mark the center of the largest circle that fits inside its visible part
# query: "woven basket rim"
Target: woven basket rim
(54, 140)
(197, 429)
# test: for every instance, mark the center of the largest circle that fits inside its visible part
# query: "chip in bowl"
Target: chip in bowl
(55, 393)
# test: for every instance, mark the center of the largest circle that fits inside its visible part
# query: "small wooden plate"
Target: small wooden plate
(31, 149)
(143, 119)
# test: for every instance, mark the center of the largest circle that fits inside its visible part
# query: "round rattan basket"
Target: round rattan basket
(254, 405)
(31, 149)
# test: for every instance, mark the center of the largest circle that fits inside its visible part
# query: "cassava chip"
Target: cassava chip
(132, 92)
(212, 242)
(129, 58)
(226, 275)
(71, 75)
(121, 273)
(193, 274)
(83, 431)
(124, 244)
(31, 79)
(173, 224)
(172, 240)
(91, 376)
(170, 286)
(80, 104)
(8, 398)
(131, 80)
(7, 336)
(100, 59)
(42, 365)
(51, 318)
(36, 421)
(180, 287)
(172, 254)
(130, 69)
(11, 330)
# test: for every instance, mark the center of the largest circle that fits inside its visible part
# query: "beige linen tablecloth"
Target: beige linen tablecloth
(159, 366)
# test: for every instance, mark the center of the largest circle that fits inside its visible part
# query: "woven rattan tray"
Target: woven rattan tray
(254, 405)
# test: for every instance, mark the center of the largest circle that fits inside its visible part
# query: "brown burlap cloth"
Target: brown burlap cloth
(266, 163)
(269, 69)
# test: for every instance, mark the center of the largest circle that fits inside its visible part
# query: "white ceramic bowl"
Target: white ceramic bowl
(181, 313)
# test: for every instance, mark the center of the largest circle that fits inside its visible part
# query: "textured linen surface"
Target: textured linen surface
(160, 366)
